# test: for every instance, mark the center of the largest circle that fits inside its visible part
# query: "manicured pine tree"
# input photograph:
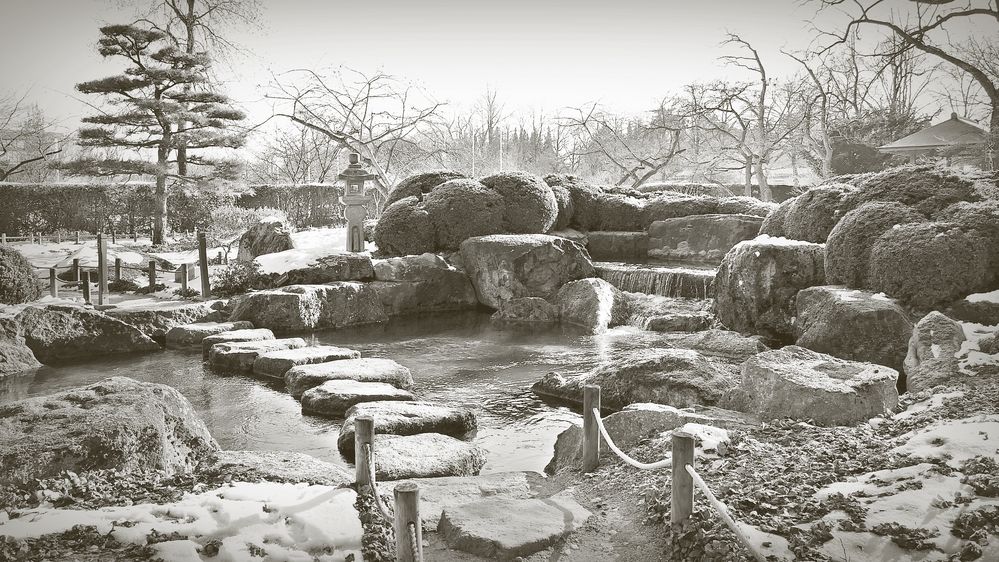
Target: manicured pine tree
(161, 102)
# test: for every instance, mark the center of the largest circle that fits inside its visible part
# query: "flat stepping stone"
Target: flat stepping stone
(239, 356)
(187, 335)
(426, 455)
(277, 363)
(438, 494)
(299, 379)
(333, 398)
(406, 418)
(504, 528)
(280, 466)
(254, 334)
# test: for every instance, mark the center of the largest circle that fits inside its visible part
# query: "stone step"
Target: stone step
(333, 398)
(239, 356)
(407, 418)
(252, 334)
(299, 379)
(187, 335)
(438, 494)
(276, 363)
(425, 455)
(662, 280)
(504, 528)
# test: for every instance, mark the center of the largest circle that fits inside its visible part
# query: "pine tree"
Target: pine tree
(161, 102)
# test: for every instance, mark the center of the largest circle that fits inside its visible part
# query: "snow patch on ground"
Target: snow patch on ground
(310, 245)
(970, 354)
(992, 296)
(957, 439)
(930, 403)
(287, 522)
(709, 436)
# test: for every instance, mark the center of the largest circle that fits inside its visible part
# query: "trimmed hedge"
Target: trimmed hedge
(17, 279)
(848, 248)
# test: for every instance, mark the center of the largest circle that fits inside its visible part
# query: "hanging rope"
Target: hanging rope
(722, 511)
(412, 541)
(637, 464)
(371, 478)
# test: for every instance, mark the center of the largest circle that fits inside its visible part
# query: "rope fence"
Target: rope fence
(681, 460)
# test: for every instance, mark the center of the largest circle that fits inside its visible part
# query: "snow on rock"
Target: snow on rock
(709, 436)
(287, 522)
(991, 296)
(310, 246)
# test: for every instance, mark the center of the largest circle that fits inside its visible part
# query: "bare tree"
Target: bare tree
(27, 140)
(296, 155)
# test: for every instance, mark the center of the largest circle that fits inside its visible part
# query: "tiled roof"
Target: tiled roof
(954, 131)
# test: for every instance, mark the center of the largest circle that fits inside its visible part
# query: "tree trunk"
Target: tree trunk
(159, 209)
(748, 186)
(761, 179)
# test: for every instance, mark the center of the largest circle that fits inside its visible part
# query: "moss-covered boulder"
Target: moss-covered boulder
(925, 188)
(17, 279)
(848, 248)
(565, 207)
(584, 197)
(742, 205)
(618, 212)
(810, 216)
(530, 206)
(675, 205)
(404, 229)
(420, 184)
(930, 264)
(981, 216)
(461, 209)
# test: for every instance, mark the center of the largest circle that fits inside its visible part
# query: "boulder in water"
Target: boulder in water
(618, 246)
(238, 357)
(700, 237)
(527, 309)
(334, 397)
(504, 267)
(188, 335)
(407, 418)
(279, 466)
(268, 236)
(425, 455)
(15, 356)
(278, 362)
(593, 304)
(62, 332)
(155, 320)
(309, 307)
(368, 369)
(931, 358)
(234, 336)
(423, 283)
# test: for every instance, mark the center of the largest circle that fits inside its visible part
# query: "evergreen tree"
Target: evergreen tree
(161, 102)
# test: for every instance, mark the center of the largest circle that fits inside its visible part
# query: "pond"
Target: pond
(459, 358)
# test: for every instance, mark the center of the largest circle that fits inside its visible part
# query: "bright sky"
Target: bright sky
(540, 54)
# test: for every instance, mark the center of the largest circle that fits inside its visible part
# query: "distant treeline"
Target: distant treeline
(124, 208)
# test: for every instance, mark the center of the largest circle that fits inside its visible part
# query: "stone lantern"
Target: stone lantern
(354, 200)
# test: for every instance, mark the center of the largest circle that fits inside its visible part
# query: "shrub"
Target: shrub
(530, 206)
(848, 248)
(675, 205)
(229, 222)
(146, 289)
(924, 188)
(585, 213)
(404, 228)
(563, 200)
(122, 285)
(618, 212)
(420, 184)
(460, 209)
(810, 216)
(929, 264)
(237, 278)
(742, 205)
(187, 293)
(18, 283)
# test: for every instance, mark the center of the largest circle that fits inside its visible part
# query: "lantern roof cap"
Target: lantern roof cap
(355, 170)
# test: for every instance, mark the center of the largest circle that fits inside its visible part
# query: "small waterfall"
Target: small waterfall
(665, 281)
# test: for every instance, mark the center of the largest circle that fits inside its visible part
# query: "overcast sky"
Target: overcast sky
(537, 54)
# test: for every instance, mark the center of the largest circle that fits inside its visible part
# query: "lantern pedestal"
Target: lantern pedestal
(355, 213)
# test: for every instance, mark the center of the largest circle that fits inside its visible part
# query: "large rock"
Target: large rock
(423, 283)
(461, 209)
(504, 267)
(155, 320)
(665, 314)
(848, 248)
(593, 304)
(798, 383)
(670, 205)
(276, 363)
(189, 335)
(977, 308)
(334, 397)
(619, 212)
(742, 205)
(279, 466)
(931, 358)
(407, 418)
(299, 379)
(676, 377)
(618, 246)
(757, 282)
(527, 309)
(723, 344)
(810, 216)
(118, 423)
(508, 529)
(437, 494)
(418, 185)
(15, 356)
(926, 188)
(529, 205)
(331, 268)
(309, 307)
(852, 324)
(234, 336)
(425, 455)
(566, 208)
(583, 195)
(239, 356)
(60, 333)
(700, 237)
(405, 228)
(267, 236)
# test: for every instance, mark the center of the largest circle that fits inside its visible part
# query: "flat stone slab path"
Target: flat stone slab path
(187, 335)
(425, 455)
(437, 494)
(506, 528)
(254, 334)
(299, 379)
(407, 418)
(333, 398)
(276, 363)
(239, 356)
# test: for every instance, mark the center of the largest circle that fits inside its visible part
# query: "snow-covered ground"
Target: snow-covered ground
(310, 245)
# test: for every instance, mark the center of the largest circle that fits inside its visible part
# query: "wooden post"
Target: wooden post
(152, 275)
(206, 289)
(102, 268)
(682, 499)
(183, 277)
(114, 239)
(76, 270)
(135, 237)
(117, 269)
(53, 282)
(3, 238)
(364, 434)
(407, 510)
(86, 287)
(77, 236)
(58, 237)
(591, 433)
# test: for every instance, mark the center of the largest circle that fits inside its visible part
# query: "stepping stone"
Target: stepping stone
(187, 335)
(438, 494)
(503, 528)
(279, 466)
(239, 356)
(277, 363)
(406, 418)
(333, 398)
(425, 455)
(255, 334)
(299, 379)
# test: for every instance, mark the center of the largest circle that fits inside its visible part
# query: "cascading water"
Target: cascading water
(666, 281)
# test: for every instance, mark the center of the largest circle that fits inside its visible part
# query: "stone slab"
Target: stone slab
(239, 356)
(276, 363)
(299, 379)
